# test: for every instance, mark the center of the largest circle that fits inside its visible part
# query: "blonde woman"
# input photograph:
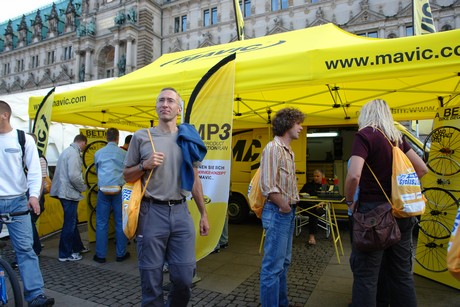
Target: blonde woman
(383, 277)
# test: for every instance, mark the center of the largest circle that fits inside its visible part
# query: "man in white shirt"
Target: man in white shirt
(14, 184)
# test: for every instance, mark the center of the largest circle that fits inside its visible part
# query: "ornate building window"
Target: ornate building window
(180, 24)
(446, 28)
(6, 69)
(279, 5)
(20, 65)
(67, 53)
(210, 17)
(373, 34)
(409, 31)
(50, 57)
(245, 6)
(34, 61)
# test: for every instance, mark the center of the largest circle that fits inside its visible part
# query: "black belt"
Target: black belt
(164, 202)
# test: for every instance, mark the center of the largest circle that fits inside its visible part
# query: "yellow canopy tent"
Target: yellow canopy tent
(326, 72)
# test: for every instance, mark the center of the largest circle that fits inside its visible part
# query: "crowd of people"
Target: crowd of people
(380, 278)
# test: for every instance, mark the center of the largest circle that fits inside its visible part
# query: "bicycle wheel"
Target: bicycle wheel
(11, 293)
(441, 206)
(434, 229)
(431, 253)
(90, 175)
(91, 197)
(90, 150)
(443, 144)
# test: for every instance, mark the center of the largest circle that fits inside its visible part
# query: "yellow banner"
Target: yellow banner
(213, 95)
(423, 19)
(42, 122)
(239, 20)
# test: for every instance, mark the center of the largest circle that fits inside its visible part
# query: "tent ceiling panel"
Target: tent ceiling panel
(326, 72)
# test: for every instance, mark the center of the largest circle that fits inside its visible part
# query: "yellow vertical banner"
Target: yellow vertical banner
(42, 122)
(423, 19)
(210, 110)
(239, 20)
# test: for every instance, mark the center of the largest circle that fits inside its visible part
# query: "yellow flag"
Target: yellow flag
(210, 110)
(423, 19)
(239, 20)
(42, 122)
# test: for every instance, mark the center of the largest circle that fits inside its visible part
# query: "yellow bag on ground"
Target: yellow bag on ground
(453, 249)
(132, 196)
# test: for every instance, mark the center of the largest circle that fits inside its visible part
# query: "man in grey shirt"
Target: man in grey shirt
(165, 231)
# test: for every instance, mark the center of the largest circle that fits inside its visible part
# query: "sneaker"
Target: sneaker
(123, 258)
(84, 250)
(73, 257)
(42, 300)
(165, 268)
(98, 259)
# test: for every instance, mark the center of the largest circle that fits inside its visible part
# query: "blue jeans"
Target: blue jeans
(279, 230)
(104, 204)
(70, 241)
(22, 240)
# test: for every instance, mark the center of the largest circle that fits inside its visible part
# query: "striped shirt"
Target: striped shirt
(278, 171)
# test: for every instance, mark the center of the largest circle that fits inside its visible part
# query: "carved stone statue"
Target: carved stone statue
(22, 29)
(70, 14)
(81, 73)
(9, 28)
(132, 15)
(81, 30)
(91, 28)
(122, 66)
(37, 25)
(119, 19)
(53, 20)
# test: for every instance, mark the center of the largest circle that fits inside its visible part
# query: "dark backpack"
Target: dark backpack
(22, 142)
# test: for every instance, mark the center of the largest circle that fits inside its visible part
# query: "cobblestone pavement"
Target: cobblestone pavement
(107, 287)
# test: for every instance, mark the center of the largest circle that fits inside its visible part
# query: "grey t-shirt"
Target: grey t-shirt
(165, 181)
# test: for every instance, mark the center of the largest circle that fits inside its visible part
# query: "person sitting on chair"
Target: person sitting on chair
(312, 188)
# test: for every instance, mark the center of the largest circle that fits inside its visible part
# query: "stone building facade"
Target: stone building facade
(72, 41)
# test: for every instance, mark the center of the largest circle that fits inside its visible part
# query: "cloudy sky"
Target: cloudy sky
(14, 8)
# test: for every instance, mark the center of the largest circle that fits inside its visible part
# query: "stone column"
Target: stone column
(129, 55)
(77, 64)
(116, 57)
(88, 64)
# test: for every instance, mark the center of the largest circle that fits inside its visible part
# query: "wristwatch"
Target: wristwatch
(141, 166)
(349, 203)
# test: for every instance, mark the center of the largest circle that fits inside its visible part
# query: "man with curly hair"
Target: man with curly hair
(279, 186)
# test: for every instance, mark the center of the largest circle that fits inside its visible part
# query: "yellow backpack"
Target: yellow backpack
(256, 199)
(406, 193)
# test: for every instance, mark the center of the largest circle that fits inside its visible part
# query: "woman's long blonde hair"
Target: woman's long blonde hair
(377, 114)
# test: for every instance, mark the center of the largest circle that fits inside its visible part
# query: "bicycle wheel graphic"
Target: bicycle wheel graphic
(431, 253)
(434, 229)
(91, 197)
(441, 206)
(443, 144)
(90, 150)
(92, 204)
(90, 175)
